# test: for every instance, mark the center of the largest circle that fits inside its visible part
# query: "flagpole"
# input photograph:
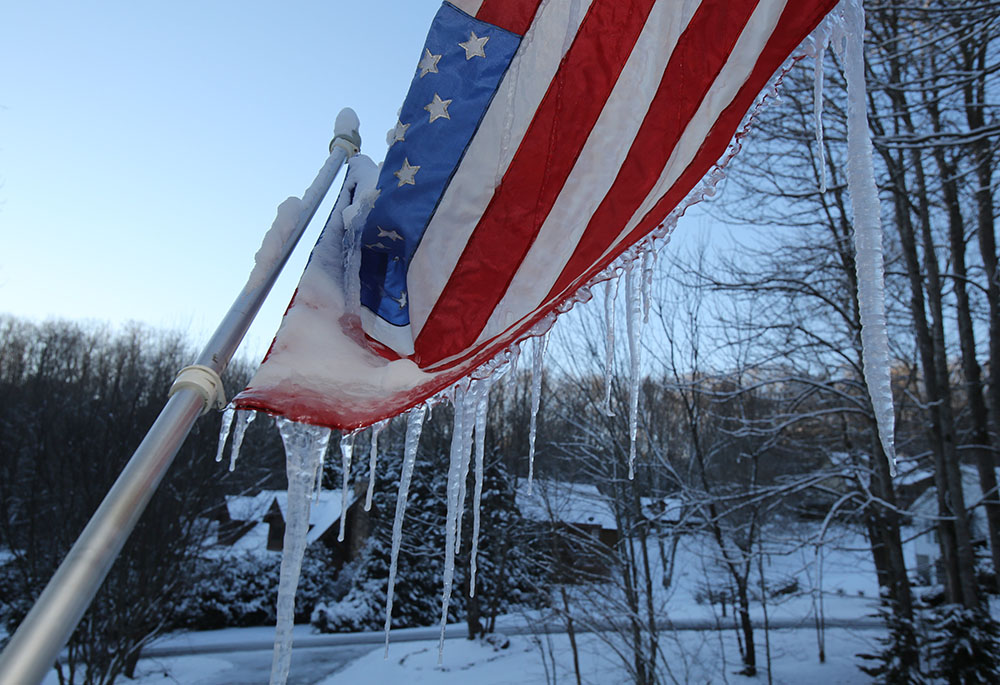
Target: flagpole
(35, 646)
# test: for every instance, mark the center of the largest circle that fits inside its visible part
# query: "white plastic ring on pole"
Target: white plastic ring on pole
(347, 145)
(206, 381)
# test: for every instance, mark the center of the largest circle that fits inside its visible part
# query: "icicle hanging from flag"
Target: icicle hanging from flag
(538, 143)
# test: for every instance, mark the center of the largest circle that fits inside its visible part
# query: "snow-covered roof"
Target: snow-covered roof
(253, 541)
(323, 513)
(574, 503)
(664, 509)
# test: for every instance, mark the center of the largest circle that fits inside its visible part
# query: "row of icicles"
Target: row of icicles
(306, 446)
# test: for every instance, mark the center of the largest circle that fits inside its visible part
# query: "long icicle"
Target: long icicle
(482, 407)
(537, 364)
(373, 462)
(243, 420)
(867, 233)
(610, 294)
(633, 320)
(414, 426)
(821, 38)
(304, 446)
(346, 457)
(455, 460)
(468, 425)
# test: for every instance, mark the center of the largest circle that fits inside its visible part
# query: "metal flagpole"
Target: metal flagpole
(36, 644)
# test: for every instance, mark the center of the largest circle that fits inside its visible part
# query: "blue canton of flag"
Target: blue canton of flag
(459, 71)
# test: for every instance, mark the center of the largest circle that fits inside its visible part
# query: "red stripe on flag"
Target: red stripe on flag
(534, 179)
(513, 15)
(795, 23)
(701, 52)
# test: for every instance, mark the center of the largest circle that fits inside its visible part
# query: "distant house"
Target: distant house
(256, 523)
(576, 524)
(664, 512)
(922, 551)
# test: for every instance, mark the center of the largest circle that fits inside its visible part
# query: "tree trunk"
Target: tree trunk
(473, 612)
(946, 526)
(970, 364)
(750, 655)
(963, 536)
(974, 93)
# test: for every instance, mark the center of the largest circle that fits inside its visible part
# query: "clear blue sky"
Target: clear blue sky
(144, 146)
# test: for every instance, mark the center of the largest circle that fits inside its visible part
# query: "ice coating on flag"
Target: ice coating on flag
(539, 142)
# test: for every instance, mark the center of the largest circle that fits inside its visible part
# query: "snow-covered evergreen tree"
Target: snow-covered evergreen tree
(502, 578)
(964, 646)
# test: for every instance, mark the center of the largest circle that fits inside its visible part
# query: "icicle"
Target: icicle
(414, 426)
(633, 320)
(372, 462)
(482, 406)
(537, 360)
(304, 446)
(455, 461)
(346, 456)
(513, 355)
(468, 424)
(227, 422)
(610, 293)
(243, 419)
(648, 263)
(867, 232)
(821, 38)
(318, 488)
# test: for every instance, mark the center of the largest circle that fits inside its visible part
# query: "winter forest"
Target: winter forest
(762, 529)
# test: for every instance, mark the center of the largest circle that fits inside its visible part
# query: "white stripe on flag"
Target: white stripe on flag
(734, 74)
(597, 166)
(727, 84)
(489, 154)
(470, 7)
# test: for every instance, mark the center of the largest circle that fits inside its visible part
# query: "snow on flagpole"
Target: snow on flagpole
(36, 644)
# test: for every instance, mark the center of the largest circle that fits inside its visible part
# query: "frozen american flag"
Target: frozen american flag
(538, 142)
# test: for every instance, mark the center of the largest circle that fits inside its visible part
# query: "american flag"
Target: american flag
(538, 142)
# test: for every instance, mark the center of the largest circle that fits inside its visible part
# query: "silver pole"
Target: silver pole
(35, 646)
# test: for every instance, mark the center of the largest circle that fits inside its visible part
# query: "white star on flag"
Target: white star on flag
(474, 46)
(438, 108)
(428, 63)
(392, 235)
(406, 173)
(398, 133)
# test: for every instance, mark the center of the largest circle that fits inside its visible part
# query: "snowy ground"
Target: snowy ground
(702, 654)
(847, 601)
(693, 656)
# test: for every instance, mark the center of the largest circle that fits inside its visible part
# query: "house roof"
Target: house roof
(573, 503)
(324, 511)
